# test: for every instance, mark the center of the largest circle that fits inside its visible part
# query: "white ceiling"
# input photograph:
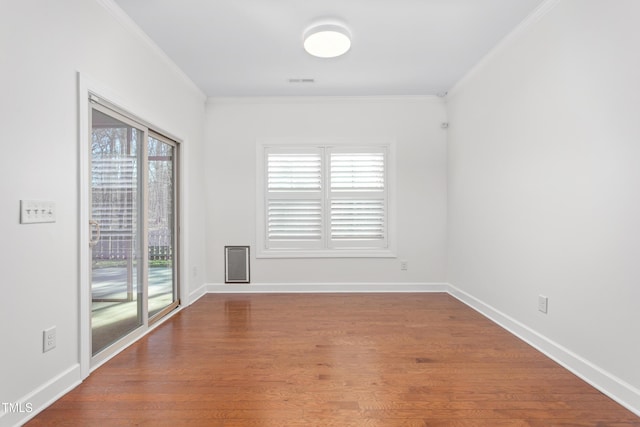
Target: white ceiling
(399, 47)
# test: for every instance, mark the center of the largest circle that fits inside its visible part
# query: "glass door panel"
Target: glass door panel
(116, 245)
(161, 225)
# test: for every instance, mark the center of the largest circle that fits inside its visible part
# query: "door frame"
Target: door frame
(87, 87)
(176, 224)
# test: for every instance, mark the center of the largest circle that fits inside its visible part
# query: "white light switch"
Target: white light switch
(32, 211)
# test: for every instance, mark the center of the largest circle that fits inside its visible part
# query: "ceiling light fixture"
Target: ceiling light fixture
(327, 40)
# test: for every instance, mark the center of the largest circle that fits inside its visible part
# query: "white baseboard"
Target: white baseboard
(295, 288)
(39, 399)
(197, 294)
(617, 389)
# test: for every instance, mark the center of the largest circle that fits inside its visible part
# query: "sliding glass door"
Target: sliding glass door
(133, 223)
(161, 155)
(116, 216)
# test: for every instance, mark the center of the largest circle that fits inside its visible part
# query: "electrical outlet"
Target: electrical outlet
(33, 211)
(49, 339)
(543, 303)
(404, 265)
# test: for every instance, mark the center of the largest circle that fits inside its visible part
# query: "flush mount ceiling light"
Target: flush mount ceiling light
(327, 40)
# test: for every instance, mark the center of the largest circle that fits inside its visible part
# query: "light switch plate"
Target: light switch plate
(34, 211)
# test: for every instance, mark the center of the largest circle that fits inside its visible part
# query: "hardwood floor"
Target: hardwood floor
(332, 360)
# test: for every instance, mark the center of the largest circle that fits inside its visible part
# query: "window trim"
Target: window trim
(338, 251)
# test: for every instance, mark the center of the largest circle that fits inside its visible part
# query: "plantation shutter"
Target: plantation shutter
(294, 202)
(357, 219)
(324, 199)
(357, 171)
(358, 197)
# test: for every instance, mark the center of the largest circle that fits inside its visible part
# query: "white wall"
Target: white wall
(232, 129)
(543, 180)
(43, 46)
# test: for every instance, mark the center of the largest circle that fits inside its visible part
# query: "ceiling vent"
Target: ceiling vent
(302, 80)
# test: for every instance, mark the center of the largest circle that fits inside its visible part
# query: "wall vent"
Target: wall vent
(236, 264)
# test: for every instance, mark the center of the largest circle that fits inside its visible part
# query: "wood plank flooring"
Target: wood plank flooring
(332, 360)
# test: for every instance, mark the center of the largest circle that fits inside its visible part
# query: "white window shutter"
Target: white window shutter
(358, 207)
(294, 219)
(357, 171)
(325, 200)
(357, 219)
(294, 202)
(294, 172)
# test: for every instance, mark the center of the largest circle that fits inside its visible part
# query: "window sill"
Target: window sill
(333, 253)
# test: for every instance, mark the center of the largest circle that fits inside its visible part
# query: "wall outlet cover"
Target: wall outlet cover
(543, 303)
(49, 339)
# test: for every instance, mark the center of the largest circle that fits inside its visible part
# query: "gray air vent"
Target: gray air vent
(236, 264)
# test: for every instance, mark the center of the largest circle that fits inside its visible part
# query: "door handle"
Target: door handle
(94, 225)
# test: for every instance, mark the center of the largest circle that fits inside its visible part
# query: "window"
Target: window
(324, 200)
